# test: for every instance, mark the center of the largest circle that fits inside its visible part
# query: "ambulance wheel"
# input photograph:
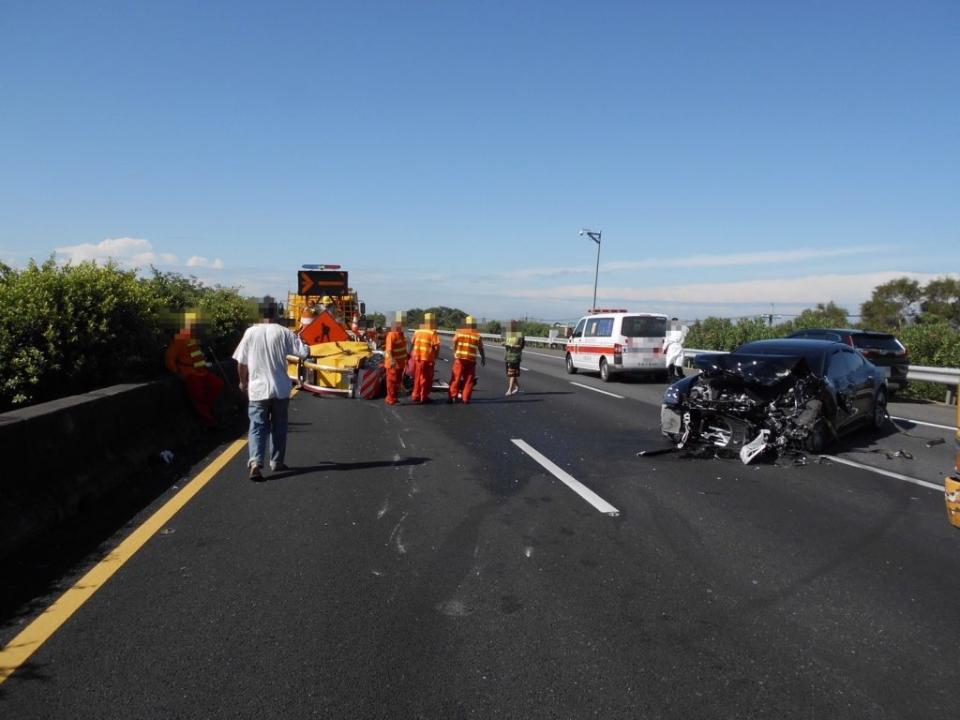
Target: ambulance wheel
(571, 370)
(604, 370)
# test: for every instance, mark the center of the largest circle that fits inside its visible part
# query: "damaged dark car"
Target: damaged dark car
(772, 397)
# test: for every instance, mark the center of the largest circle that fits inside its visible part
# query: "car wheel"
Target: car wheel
(880, 409)
(571, 369)
(817, 439)
(604, 370)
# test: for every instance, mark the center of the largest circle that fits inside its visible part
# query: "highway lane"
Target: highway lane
(915, 424)
(416, 563)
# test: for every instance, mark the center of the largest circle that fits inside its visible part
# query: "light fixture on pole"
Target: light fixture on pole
(595, 236)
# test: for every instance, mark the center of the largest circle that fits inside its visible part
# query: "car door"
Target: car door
(838, 372)
(861, 378)
(576, 339)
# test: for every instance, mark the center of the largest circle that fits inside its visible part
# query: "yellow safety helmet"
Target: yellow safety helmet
(471, 320)
(427, 317)
(326, 300)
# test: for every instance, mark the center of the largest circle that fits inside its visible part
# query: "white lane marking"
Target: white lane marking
(887, 473)
(602, 392)
(524, 369)
(402, 443)
(567, 479)
(921, 422)
(383, 510)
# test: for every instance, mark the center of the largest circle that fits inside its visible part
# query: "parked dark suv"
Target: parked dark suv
(880, 348)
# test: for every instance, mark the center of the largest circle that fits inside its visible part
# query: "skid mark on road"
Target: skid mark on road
(395, 529)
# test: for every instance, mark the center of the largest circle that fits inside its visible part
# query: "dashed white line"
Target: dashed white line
(921, 422)
(886, 473)
(524, 369)
(597, 390)
(567, 479)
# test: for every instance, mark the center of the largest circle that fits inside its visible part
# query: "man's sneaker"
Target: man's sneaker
(255, 473)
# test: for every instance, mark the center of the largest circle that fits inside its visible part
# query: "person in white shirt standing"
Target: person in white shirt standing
(262, 365)
(673, 348)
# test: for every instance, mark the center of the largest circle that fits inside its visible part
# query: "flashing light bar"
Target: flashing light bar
(320, 267)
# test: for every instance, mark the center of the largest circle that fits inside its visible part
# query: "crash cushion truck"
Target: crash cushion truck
(340, 362)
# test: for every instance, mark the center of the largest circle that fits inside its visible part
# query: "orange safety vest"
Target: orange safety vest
(184, 355)
(467, 344)
(396, 348)
(426, 344)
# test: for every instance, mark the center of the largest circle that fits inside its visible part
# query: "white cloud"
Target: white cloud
(844, 289)
(770, 257)
(125, 251)
(202, 262)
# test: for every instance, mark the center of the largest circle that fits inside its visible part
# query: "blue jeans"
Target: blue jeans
(268, 417)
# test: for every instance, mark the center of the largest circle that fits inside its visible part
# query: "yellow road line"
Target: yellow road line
(40, 630)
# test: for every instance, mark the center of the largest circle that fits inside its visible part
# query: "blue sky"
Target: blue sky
(733, 154)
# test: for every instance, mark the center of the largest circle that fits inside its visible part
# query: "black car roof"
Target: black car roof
(793, 346)
(842, 331)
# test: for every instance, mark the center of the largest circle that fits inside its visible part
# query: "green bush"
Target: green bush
(69, 329)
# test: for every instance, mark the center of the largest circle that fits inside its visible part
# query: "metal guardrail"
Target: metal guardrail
(533, 341)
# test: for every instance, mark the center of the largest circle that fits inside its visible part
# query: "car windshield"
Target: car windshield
(639, 326)
(885, 343)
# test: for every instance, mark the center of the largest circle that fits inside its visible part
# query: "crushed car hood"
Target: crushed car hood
(763, 370)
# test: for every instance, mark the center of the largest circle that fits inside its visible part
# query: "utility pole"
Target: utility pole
(595, 236)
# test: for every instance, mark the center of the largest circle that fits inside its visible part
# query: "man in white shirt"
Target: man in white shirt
(262, 364)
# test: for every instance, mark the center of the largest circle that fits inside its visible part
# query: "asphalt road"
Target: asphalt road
(417, 562)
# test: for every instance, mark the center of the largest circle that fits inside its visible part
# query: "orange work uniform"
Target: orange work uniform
(467, 345)
(396, 360)
(185, 358)
(426, 345)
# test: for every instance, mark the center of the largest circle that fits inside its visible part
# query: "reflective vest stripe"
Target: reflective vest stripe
(466, 345)
(423, 345)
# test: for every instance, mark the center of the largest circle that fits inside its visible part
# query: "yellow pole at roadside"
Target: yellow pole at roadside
(951, 484)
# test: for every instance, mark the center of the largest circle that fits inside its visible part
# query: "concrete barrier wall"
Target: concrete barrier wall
(61, 457)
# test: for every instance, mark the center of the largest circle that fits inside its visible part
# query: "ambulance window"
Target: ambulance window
(639, 326)
(599, 327)
(578, 331)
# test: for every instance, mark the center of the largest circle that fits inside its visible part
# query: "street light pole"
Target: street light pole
(595, 236)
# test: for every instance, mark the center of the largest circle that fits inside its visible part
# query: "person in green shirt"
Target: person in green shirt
(513, 350)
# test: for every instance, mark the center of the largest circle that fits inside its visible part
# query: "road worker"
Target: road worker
(308, 315)
(426, 346)
(467, 345)
(395, 349)
(185, 357)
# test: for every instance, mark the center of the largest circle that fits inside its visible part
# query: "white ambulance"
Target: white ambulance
(618, 341)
